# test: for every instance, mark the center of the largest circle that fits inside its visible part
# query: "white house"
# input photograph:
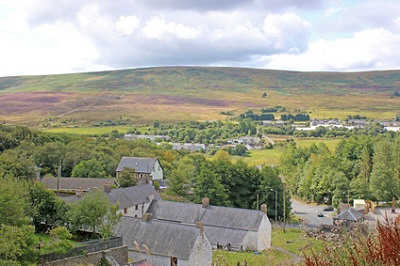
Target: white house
(238, 229)
(164, 243)
(147, 170)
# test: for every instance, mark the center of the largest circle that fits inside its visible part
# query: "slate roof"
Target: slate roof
(140, 164)
(349, 215)
(131, 196)
(126, 197)
(231, 218)
(72, 183)
(162, 238)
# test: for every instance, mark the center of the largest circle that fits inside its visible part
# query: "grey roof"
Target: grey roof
(349, 215)
(140, 164)
(162, 238)
(72, 183)
(131, 196)
(223, 236)
(126, 197)
(232, 218)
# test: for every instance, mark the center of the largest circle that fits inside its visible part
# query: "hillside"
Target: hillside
(193, 93)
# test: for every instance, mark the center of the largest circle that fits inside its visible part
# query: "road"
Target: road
(309, 214)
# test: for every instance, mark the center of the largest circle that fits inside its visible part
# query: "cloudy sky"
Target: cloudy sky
(65, 36)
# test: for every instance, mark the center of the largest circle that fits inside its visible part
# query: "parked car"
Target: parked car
(320, 214)
(328, 209)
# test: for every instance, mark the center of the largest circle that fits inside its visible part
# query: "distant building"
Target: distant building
(193, 147)
(147, 170)
(150, 137)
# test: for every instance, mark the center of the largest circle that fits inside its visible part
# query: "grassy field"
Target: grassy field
(271, 157)
(174, 94)
(292, 241)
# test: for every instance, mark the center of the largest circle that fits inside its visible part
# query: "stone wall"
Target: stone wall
(120, 254)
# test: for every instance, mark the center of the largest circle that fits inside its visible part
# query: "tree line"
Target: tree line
(364, 167)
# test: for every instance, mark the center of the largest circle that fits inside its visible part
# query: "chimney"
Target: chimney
(147, 216)
(264, 208)
(107, 187)
(200, 225)
(205, 202)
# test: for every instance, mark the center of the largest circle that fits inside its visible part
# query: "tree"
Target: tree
(180, 181)
(89, 212)
(208, 184)
(89, 168)
(13, 164)
(60, 240)
(270, 180)
(17, 245)
(49, 157)
(48, 208)
(110, 220)
(127, 177)
(383, 185)
(14, 201)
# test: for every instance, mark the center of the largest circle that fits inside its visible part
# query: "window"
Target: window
(136, 207)
(125, 210)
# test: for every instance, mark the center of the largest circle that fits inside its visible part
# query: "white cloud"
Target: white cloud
(286, 31)
(47, 36)
(159, 28)
(126, 25)
(368, 49)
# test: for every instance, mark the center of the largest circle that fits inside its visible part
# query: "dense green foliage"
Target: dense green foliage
(362, 167)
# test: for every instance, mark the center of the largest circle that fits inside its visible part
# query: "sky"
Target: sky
(68, 36)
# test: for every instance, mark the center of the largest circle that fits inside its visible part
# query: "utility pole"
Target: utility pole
(284, 207)
(276, 204)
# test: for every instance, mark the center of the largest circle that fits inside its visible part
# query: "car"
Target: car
(320, 214)
(328, 209)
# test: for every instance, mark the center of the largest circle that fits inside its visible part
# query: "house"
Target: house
(133, 201)
(249, 140)
(193, 147)
(267, 123)
(164, 243)
(150, 137)
(74, 184)
(236, 229)
(348, 216)
(147, 170)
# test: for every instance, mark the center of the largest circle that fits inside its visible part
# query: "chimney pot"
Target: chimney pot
(205, 202)
(107, 187)
(147, 216)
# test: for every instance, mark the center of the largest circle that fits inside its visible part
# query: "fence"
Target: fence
(89, 247)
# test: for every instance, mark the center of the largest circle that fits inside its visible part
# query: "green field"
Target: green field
(174, 94)
(271, 157)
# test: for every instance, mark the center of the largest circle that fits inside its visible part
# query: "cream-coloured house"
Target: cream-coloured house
(147, 170)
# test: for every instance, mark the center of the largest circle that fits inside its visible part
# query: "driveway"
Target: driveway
(309, 214)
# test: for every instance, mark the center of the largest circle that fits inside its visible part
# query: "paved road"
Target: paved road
(309, 214)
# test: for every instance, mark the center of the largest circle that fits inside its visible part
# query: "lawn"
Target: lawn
(292, 240)
(269, 257)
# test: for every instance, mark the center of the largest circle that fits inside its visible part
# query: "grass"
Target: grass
(269, 257)
(292, 241)
(174, 94)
